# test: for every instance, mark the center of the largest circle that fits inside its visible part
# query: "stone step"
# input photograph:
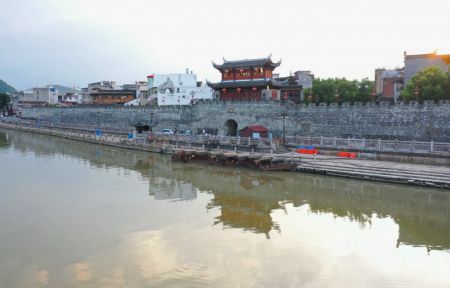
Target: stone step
(371, 175)
(383, 169)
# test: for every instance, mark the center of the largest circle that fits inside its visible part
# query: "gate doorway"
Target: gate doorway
(231, 128)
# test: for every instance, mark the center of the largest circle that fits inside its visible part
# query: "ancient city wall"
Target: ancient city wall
(411, 121)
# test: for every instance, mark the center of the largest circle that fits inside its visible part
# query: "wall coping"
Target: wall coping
(426, 103)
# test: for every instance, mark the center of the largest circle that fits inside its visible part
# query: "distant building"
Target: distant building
(95, 87)
(415, 63)
(176, 89)
(253, 80)
(102, 85)
(110, 97)
(389, 83)
(85, 96)
(305, 78)
(72, 98)
(141, 88)
(39, 96)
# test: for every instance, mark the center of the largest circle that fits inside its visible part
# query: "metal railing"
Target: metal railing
(216, 140)
(363, 144)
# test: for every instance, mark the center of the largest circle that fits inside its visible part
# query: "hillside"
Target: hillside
(6, 88)
(64, 89)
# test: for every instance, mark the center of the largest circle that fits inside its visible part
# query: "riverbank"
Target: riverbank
(384, 171)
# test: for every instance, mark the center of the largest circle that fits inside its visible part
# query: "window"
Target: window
(178, 90)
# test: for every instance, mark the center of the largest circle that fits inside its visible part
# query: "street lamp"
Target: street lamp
(151, 121)
(98, 120)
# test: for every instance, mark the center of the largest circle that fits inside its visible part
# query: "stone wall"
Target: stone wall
(412, 121)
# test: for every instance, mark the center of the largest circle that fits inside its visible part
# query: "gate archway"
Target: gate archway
(230, 127)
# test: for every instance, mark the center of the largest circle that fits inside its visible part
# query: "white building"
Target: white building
(72, 98)
(39, 96)
(305, 78)
(177, 89)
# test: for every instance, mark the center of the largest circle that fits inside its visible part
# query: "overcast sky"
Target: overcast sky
(76, 42)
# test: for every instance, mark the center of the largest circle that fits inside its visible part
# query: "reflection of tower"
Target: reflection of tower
(244, 212)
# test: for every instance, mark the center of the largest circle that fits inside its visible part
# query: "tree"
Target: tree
(365, 90)
(307, 93)
(428, 84)
(4, 100)
(323, 90)
(342, 90)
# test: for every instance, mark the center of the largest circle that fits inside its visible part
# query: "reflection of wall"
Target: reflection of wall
(3, 140)
(165, 188)
(247, 198)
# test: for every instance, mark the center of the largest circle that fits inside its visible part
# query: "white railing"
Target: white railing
(216, 140)
(371, 144)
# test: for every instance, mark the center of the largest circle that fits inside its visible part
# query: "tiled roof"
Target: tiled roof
(247, 63)
(256, 128)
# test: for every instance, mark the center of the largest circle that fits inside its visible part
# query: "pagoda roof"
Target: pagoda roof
(247, 63)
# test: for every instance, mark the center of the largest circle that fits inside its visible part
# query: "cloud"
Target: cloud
(68, 53)
(76, 42)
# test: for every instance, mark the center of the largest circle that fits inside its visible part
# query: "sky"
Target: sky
(75, 42)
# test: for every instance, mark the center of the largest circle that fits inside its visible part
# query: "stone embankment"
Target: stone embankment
(413, 174)
(106, 138)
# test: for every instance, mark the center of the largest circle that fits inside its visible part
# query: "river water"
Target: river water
(81, 215)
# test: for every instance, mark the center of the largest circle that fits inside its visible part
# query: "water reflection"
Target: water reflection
(4, 143)
(247, 199)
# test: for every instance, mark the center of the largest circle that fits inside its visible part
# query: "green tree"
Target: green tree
(4, 100)
(342, 90)
(428, 84)
(324, 90)
(365, 90)
(307, 94)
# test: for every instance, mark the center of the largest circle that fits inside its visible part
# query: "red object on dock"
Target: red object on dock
(346, 154)
(306, 151)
